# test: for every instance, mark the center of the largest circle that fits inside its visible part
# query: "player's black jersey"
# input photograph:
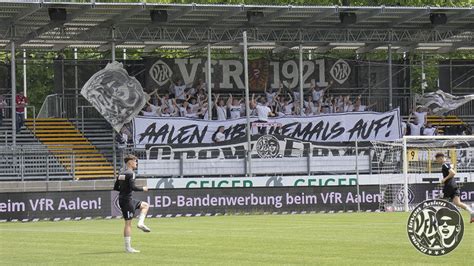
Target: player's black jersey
(125, 183)
(445, 169)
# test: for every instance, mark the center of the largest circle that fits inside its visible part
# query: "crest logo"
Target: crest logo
(274, 181)
(435, 227)
(401, 195)
(165, 183)
(340, 71)
(267, 146)
(160, 72)
(116, 203)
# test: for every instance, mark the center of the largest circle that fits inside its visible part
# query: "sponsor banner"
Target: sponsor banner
(275, 199)
(274, 181)
(363, 126)
(190, 202)
(421, 192)
(280, 199)
(296, 181)
(41, 205)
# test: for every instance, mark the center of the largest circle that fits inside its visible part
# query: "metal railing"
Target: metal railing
(33, 162)
(87, 111)
(62, 106)
(51, 106)
(32, 107)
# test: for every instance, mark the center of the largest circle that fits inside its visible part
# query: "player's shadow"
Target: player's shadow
(102, 252)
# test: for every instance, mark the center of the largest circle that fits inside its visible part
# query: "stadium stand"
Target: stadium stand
(64, 140)
(449, 125)
(36, 159)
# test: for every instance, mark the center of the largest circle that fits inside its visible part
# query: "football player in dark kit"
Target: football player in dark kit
(450, 189)
(125, 183)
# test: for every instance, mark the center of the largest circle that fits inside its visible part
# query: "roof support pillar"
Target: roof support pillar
(301, 78)
(247, 106)
(390, 100)
(13, 85)
(209, 82)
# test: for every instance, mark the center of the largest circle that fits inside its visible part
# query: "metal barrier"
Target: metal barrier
(51, 106)
(62, 106)
(33, 163)
(90, 114)
(34, 114)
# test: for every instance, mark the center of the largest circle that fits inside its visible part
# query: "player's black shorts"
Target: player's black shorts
(449, 192)
(128, 207)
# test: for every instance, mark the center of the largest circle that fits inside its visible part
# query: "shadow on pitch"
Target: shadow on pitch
(102, 252)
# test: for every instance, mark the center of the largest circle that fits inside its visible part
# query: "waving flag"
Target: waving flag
(117, 96)
(441, 102)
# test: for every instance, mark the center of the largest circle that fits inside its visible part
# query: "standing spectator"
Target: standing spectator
(317, 92)
(348, 107)
(429, 130)
(359, 107)
(420, 115)
(149, 111)
(178, 89)
(21, 102)
(3, 104)
(311, 108)
(272, 94)
(263, 112)
(288, 105)
(221, 108)
(235, 107)
(190, 113)
(415, 128)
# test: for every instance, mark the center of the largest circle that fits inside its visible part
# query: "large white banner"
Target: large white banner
(440, 102)
(116, 96)
(363, 126)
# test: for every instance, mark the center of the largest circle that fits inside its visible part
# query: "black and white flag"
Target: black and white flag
(441, 102)
(116, 96)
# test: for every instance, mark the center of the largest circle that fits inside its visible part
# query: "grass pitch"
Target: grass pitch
(335, 239)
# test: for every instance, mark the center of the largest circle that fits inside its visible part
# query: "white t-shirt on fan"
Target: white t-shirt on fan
(221, 112)
(262, 112)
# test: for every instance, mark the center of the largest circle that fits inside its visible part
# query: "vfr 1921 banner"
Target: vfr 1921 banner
(363, 126)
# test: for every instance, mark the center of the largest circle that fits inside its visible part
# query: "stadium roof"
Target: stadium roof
(96, 25)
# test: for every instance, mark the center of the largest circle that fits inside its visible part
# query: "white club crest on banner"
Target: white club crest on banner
(160, 72)
(340, 71)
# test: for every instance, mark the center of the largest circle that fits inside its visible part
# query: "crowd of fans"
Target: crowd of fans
(417, 125)
(191, 100)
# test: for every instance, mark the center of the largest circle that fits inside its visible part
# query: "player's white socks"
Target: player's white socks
(128, 240)
(141, 219)
(141, 223)
(128, 246)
